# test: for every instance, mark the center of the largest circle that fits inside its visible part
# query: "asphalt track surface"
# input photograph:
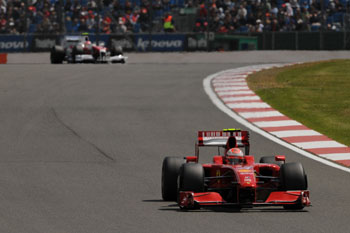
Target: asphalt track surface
(82, 147)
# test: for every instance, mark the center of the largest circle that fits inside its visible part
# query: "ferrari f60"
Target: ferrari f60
(233, 178)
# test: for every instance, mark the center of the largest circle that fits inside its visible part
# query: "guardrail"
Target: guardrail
(166, 42)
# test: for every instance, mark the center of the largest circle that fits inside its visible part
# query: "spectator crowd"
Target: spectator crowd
(137, 16)
(258, 16)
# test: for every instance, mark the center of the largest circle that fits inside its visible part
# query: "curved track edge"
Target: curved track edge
(242, 73)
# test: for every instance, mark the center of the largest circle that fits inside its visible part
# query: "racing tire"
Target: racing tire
(170, 171)
(270, 160)
(77, 50)
(293, 177)
(191, 178)
(57, 54)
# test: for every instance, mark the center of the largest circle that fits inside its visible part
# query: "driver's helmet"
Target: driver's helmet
(234, 156)
(234, 152)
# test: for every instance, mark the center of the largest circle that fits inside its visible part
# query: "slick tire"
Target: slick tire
(77, 50)
(270, 160)
(293, 177)
(191, 177)
(57, 54)
(170, 171)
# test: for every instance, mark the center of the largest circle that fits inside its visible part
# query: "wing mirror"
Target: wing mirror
(193, 159)
(280, 158)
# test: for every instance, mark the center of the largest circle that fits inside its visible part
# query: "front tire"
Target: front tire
(293, 177)
(77, 50)
(57, 54)
(191, 178)
(170, 171)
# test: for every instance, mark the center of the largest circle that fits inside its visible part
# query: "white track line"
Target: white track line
(295, 133)
(238, 93)
(240, 83)
(241, 98)
(232, 88)
(248, 105)
(238, 80)
(318, 144)
(261, 114)
(218, 103)
(338, 156)
(262, 124)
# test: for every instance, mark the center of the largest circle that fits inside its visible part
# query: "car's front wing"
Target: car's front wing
(118, 59)
(188, 200)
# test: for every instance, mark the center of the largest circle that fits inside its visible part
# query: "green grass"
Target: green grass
(315, 94)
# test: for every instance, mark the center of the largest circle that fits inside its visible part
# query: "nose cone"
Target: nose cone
(246, 177)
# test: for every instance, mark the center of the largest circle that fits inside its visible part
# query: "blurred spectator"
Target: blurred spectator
(90, 21)
(128, 7)
(82, 25)
(202, 11)
(144, 20)
(106, 25)
(260, 26)
(124, 16)
(168, 23)
(3, 24)
(122, 25)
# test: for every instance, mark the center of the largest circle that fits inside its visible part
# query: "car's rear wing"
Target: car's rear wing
(219, 138)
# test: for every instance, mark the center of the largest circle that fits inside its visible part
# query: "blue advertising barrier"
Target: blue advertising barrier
(160, 43)
(188, 41)
(141, 43)
(15, 43)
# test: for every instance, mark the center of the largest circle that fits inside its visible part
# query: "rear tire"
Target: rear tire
(293, 177)
(170, 171)
(270, 160)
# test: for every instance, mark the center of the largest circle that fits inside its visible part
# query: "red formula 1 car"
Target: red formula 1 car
(233, 178)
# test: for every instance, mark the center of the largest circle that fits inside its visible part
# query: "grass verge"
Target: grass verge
(315, 94)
